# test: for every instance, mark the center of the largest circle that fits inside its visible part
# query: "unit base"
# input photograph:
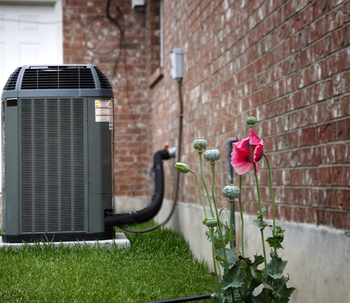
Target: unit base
(119, 240)
(57, 237)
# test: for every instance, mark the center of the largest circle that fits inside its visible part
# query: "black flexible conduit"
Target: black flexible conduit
(187, 299)
(177, 180)
(150, 211)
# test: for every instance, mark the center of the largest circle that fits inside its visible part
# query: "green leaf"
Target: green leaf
(268, 294)
(278, 293)
(260, 213)
(275, 267)
(282, 290)
(231, 255)
(278, 232)
(256, 274)
(274, 242)
(260, 224)
(258, 260)
(262, 297)
(233, 278)
(217, 241)
(226, 234)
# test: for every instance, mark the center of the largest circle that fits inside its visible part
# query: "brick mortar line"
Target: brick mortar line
(305, 167)
(299, 206)
(315, 187)
(307, 127)
(294, 110)
(275, 47)
(284, 114)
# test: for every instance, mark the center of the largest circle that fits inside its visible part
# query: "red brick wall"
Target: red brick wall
(91, 38)
(287, 63)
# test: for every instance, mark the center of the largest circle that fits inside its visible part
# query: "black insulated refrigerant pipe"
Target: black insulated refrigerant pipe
(188, 299)
(150, 211)
(177, 180)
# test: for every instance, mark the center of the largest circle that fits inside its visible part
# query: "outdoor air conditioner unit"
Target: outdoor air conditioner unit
(56, 155)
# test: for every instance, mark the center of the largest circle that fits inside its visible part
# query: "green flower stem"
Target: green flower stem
(200, 193)
(205, 185)
(216, 207)
(241, 211)
(211, 232)
(272, 198)
(262, 219)
(224, 209)
(231, 223)
(218, 217)
(261, 213)
(233, 295)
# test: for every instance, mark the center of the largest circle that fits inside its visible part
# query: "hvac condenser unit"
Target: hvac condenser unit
(56, 160)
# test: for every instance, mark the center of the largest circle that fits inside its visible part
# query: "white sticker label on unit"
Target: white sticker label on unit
(103, 111)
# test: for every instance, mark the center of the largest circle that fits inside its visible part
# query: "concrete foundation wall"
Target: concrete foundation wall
(0, 210)
(125, 204)
(318, 257)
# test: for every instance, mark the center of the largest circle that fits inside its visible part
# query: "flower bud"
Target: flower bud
(251, 121)
(182, 167)
(231, 191)
(211, 222)
(200, 143)
(212, 154)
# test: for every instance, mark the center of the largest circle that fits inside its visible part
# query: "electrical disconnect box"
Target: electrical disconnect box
(56, 156)
(176, 63)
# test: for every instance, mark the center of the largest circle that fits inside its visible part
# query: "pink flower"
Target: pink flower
(241, 159)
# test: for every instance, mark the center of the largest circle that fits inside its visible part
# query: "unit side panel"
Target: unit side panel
(100, 169)
(27, 194)
(11, 155)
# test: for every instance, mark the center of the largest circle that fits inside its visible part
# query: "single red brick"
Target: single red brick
(343, 129)
(319, 197)
(334, 19)
(339, 219)
(310, 216)
(326, 132)
(325, 176)
(318, 29)
(323, 217)
(339, 198)
(298, 214)
(309, 136)
(341, 175)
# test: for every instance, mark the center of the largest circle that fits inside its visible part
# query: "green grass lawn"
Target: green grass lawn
(158, 266)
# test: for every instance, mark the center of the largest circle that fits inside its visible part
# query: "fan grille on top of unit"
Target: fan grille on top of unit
(58, 77)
